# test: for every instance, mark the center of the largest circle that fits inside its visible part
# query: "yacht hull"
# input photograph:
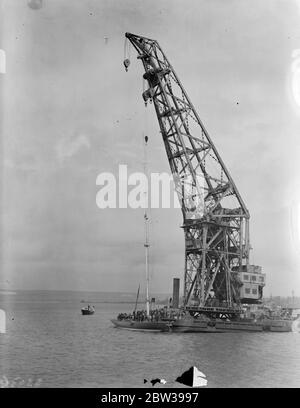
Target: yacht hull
(129, 324)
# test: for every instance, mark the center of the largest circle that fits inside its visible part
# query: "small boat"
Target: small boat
(278, 325)
(89, 310)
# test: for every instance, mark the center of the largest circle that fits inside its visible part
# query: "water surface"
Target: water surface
(49, 340)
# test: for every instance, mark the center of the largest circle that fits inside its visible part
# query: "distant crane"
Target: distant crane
(215, 217)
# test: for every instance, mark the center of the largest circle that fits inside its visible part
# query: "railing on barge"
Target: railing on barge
(215, 311)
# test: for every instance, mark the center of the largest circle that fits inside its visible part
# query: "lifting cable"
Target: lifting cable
(127, 49)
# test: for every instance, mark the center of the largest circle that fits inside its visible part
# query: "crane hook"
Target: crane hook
(126, 64)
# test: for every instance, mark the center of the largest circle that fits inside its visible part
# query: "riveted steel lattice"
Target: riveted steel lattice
(215, 218)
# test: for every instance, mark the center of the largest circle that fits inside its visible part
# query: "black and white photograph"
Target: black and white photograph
(149, 196)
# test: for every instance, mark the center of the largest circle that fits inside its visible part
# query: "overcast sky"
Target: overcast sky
(70, 112)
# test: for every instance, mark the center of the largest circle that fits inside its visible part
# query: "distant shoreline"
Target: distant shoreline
(111, 301)
(79, 291)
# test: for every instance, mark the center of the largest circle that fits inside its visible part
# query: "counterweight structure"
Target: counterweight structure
(215, 218)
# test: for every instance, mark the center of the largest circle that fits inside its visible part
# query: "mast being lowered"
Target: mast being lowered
(215, 217)
(146, 243)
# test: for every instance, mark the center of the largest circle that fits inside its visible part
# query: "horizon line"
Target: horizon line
(111, 291)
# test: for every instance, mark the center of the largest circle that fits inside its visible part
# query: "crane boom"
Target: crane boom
(215, 217)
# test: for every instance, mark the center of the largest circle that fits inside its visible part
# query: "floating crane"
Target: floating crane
(215, 217)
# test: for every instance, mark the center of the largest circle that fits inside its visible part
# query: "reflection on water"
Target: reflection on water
(48, 340)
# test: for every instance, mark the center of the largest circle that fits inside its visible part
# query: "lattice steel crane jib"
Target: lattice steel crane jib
(215, 218)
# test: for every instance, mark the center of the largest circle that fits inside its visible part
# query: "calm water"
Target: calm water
(47, 339)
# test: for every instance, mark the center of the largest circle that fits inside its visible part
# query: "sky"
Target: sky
(69, 112)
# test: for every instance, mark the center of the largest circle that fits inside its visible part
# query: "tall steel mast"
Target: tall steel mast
(146, 243)
(215, 218)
